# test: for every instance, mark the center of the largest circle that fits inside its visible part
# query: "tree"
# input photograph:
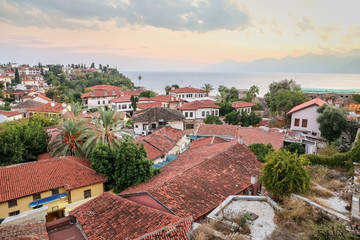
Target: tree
(274, 87)
(222, 98)
(168, 88)
(104, 131)
(123, 166)
(356, 97)
(134, 100)
(139, 77)
(332, 121)
(92, 65)
(284, 174)
(207, 88)
(249, 119)
(212, 119)
(233, 118)
(296, 148)
(284, 100)
(231, 93)
(71, 137)
(148, 93)
(251, 93)
(225, 108)
(261, 150)
(17, 79)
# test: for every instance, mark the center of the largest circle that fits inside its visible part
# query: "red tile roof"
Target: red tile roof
(187, 90)
(315, 101)
(28, 178)
(160, 142)
(44, 97)
(102, 93)
(48, 108)
(165, 98)
(241, 104)
(206, 142)
(225, 130)
(28, 230)
(148, 105)
(111, 217)
(133, 93)
(200, 179)
(105, 87)
(121, 99)
(9, 113)
(248, 135)
(194, 105)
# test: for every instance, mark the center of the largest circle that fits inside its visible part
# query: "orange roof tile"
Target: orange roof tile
(187, 90)
(207, 141)
(225, 130)
(102, 93)
(194, 105)
(241, 104)
(48, 108)
(27, 230)
(160, 142)
(201, 178)
(111, 217)
(148, 105)
(165, 98)
(9, 113)
(28, 178)
(44, 97)
(105, 87)
(121, 99)
(315, 101)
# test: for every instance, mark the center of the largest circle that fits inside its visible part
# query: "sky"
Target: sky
(174, 35)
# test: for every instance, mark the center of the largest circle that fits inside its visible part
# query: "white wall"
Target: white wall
(246, 109)
(138, 126)
(4, 118)
(310, 114)
(93, 102)
(122, 107)
(188, 95)
(198, 114)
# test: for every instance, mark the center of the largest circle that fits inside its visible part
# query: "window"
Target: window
(55, 191)
(98, 102)
(186, 114)
(87, 193)
(297, 122)
(129, 106)
(123, 106)
(216, 112)
(14, 213)
(36, 196)
(304, 123)
(12, 203)
(109, 101)
(136, 126)
(153, 126)
(203, 113)
(189, 126)
(207, 113)
(212, 112)
(103, 102)
(191, 114)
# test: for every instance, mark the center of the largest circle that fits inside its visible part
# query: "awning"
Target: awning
(47, 199)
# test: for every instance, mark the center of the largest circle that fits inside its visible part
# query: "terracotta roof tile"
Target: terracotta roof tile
(157, 113)
(315, 101)
(225, 130)
(121, 99)
(102, 93)
(200, 179)
(148, 105)
(48, 108)
(241, 104)
(160, 142)
(28, 178)
(206, 142)
(105, 87)
(165, 98)
(44, 97)
(9, 113)
(194, 105)
(27, 104)
(28, 230)
(187, 90)
(111, 217)
(133, 93)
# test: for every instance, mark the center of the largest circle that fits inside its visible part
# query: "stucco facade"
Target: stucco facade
(304, 120)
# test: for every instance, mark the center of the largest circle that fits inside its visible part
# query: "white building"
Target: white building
(199, 109)
(303, 117)
(187, 93)
(123, 103)
(6, 116)
(243, 106)
(100, 95)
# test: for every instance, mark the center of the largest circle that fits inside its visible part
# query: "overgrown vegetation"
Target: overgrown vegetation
(242, 118)
(261, 150)
(296, 148)
(212, 119)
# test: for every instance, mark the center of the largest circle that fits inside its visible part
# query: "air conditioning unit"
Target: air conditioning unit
(144, 132)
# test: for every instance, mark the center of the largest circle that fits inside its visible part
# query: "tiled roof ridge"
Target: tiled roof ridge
(186, 221)
(205, 160)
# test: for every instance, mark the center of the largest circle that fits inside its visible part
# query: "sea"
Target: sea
(157, 81)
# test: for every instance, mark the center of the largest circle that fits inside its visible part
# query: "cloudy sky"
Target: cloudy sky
(164, 34)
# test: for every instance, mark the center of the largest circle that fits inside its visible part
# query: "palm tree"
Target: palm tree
(71, 137)
(222, 98)
(76, 108)
(208, 88)
(107, 130)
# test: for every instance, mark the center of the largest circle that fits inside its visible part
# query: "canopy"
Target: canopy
(47, 199)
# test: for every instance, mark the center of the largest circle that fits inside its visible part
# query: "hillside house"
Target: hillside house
(242, 106)
(7, 116)
(50, 109)
(100, 95)
(168, 101)
(187, 93)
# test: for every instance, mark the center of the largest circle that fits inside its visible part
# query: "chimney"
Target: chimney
(240, 140)
(113, 92)
(105, 93)
(253, 179)
(52, 104)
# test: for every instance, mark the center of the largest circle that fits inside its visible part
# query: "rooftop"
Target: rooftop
(27, 104)
(200, 179)
(48, 108)
(187, 90)
(9, 113)
(25, 179)
(29, 230)
(157, 113)
(315, 101)
(165, 98)
(160, 142)
(148, 105)
(111, 217)
(102, 93)
(194, 105)
(105, 87)
(241, 104)
(206, 142)
(225, 130)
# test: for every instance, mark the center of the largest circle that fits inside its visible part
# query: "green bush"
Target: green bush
(261, 150)
(295, 148)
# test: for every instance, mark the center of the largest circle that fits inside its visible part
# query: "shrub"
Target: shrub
(261, 150)
(295, 148)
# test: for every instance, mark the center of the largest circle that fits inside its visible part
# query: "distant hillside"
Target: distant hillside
(309, 63)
